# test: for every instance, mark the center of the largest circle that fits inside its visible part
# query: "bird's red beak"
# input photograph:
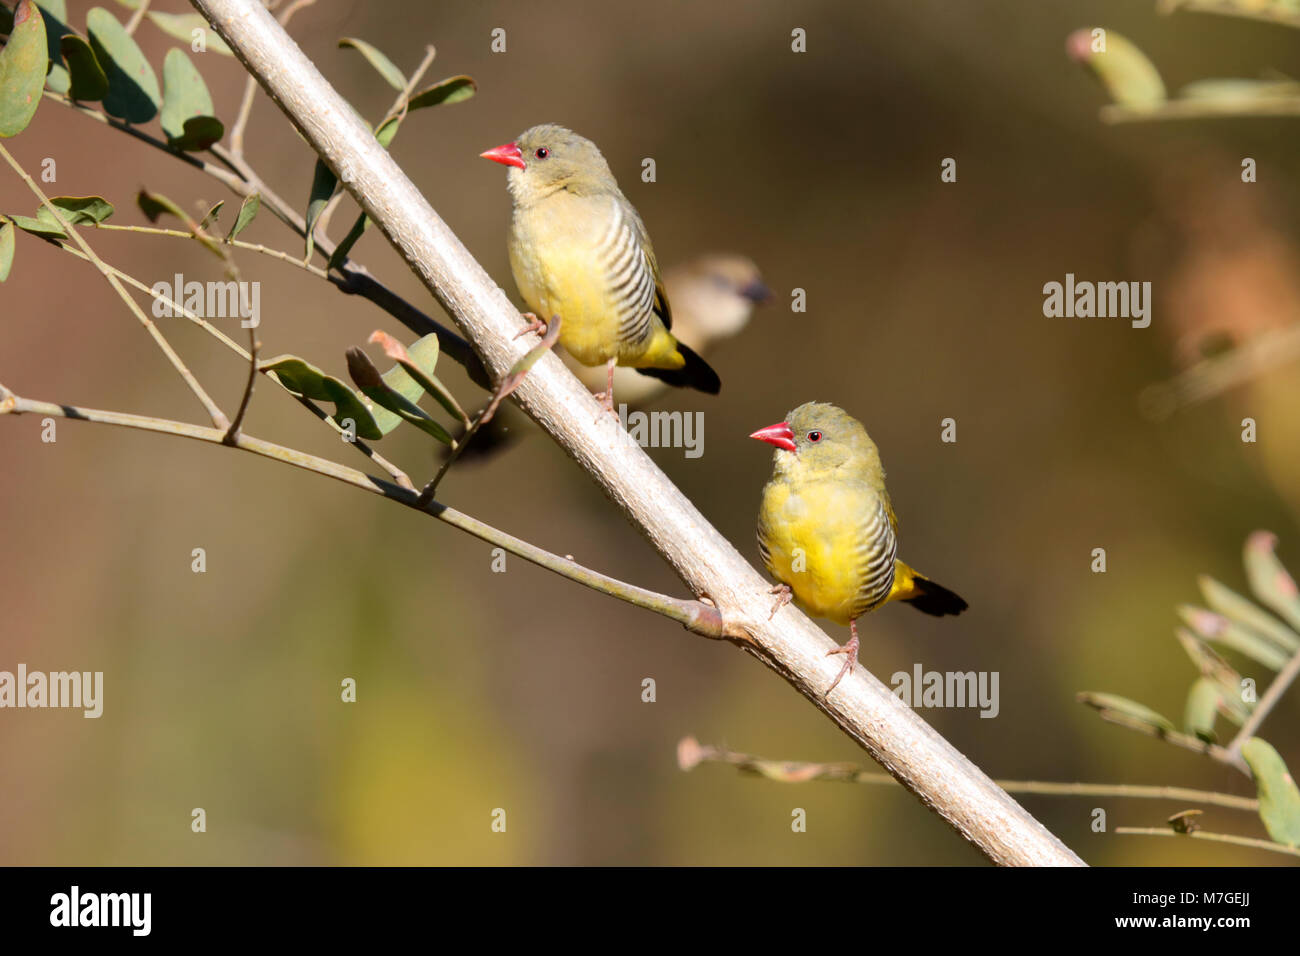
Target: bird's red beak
(508, 155)
(779, 435)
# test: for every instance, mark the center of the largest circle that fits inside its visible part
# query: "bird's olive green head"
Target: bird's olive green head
(819, 440)
(548, 158)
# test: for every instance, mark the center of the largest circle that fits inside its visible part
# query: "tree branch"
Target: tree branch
(790, 643)
(695, 616)
(691, 753)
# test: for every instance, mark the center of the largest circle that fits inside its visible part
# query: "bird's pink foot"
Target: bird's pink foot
(850, 650)
(784, 597)
(534, 325)
(606, 398)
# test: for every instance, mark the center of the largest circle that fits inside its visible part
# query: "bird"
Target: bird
(713, 295)
(827, 529)
(579, 250)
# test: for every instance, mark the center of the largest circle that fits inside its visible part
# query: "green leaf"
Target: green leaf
(187, 106)
(1231, 604)
(200, 132)
(1122, 710)
(87, 80)
(247, 210)
(1270, 581)
(413, 374)
(22, 69)
(182, 27)
(303, 378)
(6, 248)
(387, 130)
(1279, 800)
(1228, 633)
(133, 93)
(55, 14)
(386, 68)
(76, 210)
(372, 384)
(1202, 709)
(454, 89)
(1127, 75)
(323, 184)
(156, 205)
(341, 251)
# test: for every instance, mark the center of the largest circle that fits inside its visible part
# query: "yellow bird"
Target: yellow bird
(826, 526)
(579, 250)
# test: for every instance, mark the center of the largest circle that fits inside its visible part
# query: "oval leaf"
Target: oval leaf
(370, 382)
(303, 378)
(1231, 604)
(22, 69)
(1228, 633)
(87, 80)
(453, 89)
(185, 98)
(1270, 581)
(1202, 709)
(385, 67)
(1279, 800)
(133, 93)
(55, 13)
(1113, 706)
(247, 210)
(323, 184)
(1129, 77)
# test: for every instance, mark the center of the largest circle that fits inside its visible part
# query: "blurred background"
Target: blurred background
(522, 691)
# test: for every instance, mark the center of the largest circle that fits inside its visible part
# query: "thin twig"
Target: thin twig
(395, 472)
(1235, 840)
(218, 417)
(137, 16)
(695, 616)
(690, 753)
(279, 254)
(250, 90)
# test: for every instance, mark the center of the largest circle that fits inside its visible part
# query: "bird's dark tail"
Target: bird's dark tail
(696, 373)
(931, 598)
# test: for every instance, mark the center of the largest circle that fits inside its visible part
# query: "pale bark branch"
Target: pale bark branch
(790, 644)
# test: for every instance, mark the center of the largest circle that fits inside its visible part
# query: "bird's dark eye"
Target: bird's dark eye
(814, 436)
(542, 152)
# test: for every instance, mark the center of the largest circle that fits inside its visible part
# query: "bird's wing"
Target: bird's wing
(661, 307)
(877, 549)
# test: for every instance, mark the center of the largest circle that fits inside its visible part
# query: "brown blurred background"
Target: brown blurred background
(522, 691)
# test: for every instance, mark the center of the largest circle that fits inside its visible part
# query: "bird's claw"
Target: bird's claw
(784, 596)
(850, 650)
(534, 325)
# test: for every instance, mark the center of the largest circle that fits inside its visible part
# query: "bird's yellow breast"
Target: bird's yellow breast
(820, 538)
(556, 256)
(553, 255)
